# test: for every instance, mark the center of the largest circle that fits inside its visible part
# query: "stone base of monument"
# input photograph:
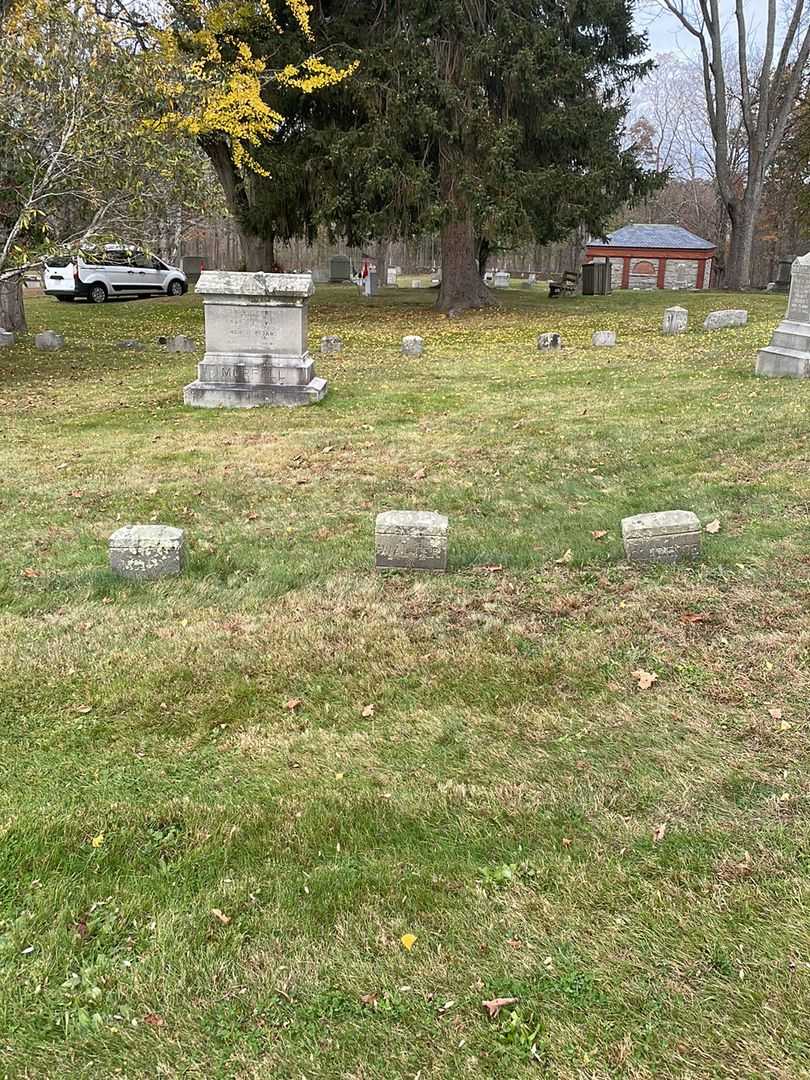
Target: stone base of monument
(788, 354)
(255, 342)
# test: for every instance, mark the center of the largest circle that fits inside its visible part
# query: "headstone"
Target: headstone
(130, 343)
(782, 283)
(532, 279)
(665, 537)
(391, 275)
(331, 344)
(340, 268)
(180, 343)
(676, 319)
(502, 279)
(255, 342)
(416, 283)
(412, 345)
(372, 284)
(789, 351)
(489, 277)
(604, 339)
(49, 340)
(551, 340)
(6, 338)
(147, 552)
(411, 540)
(720, 320)
(192, 266)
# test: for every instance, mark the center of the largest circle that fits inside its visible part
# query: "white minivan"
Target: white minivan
(112, 272)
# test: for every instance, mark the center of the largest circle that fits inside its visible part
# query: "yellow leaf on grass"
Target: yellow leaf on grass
(645, 678)
(97, 841)
(713, 526)
(368, 710)
(408, 941)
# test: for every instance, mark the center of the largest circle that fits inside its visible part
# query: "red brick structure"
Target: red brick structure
(655, 257)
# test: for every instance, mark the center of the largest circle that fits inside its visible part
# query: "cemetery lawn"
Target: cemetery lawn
(225, 798)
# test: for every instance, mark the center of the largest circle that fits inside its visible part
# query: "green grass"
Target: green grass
(502, 800)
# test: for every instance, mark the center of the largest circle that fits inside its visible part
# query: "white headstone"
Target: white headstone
(604, 339)
(412, 345)
(147, 552)
(720, 320)
(502, 279)
(551, 340)
(789, 351)
(255, 342)
(411, 540)
(6, 338)
(391, 275)
(675, 321)
(664, 537)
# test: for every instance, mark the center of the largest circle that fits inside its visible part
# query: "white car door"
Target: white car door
(148, 277)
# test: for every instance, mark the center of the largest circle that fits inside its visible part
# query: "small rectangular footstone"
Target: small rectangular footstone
(412, 345)
(604, 339)
(676, 320)
(6, 338)
(331, 344)
(411, 540)
(147, 552)
(550, 340)
(664, 537)
(49, 341)
(720, 320)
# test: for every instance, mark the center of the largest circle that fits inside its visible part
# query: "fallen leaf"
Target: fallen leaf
(293, 703)
(84, 709)
(420, 474)
(30, 572)
(695, 617)
(368, 711)
(775, 714)
(566, 557)
(713, 526)
(223, 918)
(408, 941)
(599, 534)
(645, 678)
(567, 841)
(493, 568)
(97, 841)
(659, 833)
(339, 775)
(495, 1005)
(154, 1020)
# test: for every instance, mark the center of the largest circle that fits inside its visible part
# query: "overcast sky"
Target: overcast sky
(667, 35)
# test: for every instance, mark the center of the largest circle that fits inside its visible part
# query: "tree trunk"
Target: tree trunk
(484, 251)
(743, 217)
(258, 252)
(12, 308)
(462, 288)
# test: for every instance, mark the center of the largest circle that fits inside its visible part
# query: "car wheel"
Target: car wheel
(66, 299)
(97, 294)
(175, 288)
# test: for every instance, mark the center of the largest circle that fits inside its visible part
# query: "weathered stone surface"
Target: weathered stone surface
(412, 345)
(49, 340)
(180, 343)
(411, 540)
(331, 344)
(147, 552)
(255, 342)
(604, 339)
(676, 320)
(501, 279)
(416, 283)
(788, 355)
(552, 340)
(130, 343)
(720, 320)
(665, 537)
(7, 338)
(391, 275)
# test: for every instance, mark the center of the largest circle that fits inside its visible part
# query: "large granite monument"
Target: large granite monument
(255, 342)
(789, 351)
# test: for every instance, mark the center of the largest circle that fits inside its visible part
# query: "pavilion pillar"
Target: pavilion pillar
(662, 272)
(701, 276)
(626, 273)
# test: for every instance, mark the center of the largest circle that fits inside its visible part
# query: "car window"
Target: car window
(114, 258)
(58, 261)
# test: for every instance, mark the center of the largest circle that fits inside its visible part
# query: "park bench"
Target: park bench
(566, 287)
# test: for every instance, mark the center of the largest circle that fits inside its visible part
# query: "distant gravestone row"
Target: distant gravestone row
(405, 540)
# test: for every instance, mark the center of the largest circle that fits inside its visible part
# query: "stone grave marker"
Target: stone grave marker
(391, 276)
(147, 552)
(551, 340)
(180, 343)
(7, 338)
(676, 319)
(131, 343)
(788, 354)
(664, 537)
(255, 342)
(416, 283)
(604, 339)
(49, 341)
(721, 320)
(411, 540)
(412, 345)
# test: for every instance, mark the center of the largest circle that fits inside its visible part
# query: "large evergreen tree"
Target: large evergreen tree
(492, 120)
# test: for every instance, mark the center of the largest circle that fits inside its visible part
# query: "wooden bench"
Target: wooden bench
(566, 287)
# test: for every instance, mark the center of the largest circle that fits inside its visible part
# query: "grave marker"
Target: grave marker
(411, 540)
(788, 354)
(665, 537)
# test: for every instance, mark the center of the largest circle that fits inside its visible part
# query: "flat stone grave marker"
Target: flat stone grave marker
(130, 343)
(604, 339)
(147, 552)
(180, 343)
(788, 354)
(551, 340)
(668, 536)
(411, 540)
(676, 319)
(49, 341)
(501, 279)
(255, 342)
(412, 345)
(7, 338)
(721, 320)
